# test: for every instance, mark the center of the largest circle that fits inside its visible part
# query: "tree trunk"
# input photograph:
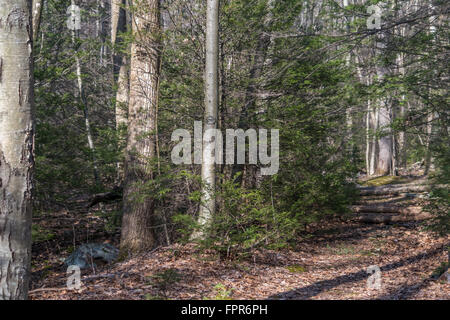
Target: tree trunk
(349, 111)
(208, 207)
(137, 233)
(430, 118)
(83, 100)
(384, 163)
(373, 158)
(16, 147)
(428, 158)
(401, 139)
(122, 94)
(100, 30)
(368, 137)
(37, 11)
(364, 77)
(394, 169)
(119, 24)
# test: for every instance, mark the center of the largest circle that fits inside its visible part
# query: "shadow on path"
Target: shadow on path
(325, 285)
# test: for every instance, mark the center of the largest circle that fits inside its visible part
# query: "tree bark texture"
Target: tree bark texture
(16, 147)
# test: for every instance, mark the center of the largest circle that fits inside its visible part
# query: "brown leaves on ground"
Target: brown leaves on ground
(332, 264)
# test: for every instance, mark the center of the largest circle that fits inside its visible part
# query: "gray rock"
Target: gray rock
(86, 253)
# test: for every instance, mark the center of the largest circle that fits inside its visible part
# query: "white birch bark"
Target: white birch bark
(16, 147)
(208, 206)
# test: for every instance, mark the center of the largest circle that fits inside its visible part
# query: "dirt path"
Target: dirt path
(330, 265)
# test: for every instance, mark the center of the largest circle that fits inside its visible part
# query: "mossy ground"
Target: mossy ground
(384, 180)
(295, 268)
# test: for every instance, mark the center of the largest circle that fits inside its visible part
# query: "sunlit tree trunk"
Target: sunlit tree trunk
(37, 11)
(430, 118)
(373, 154)
(364, 77)
(137, 233)
(368, 136)
(16, 147)
(401, 135)
(348, 60)
(384, 161)
(208, 207)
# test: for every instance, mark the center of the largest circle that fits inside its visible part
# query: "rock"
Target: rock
(445, 277)
(86, 253)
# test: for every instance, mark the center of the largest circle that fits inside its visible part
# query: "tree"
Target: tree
(118, 25)
(137, 234)
(84, 103)
(208, 205)
(16, 147)
(37, 11)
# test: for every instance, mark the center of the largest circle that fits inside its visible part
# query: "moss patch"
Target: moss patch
(39, 234)
(384, 180)
(295, 268)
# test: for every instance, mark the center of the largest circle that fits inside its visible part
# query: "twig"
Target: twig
(46, 289)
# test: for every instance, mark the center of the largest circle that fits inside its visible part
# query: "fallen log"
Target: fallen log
(115, 194)
(395, 201)
(371, 217)
(386, 208)
(393, 190)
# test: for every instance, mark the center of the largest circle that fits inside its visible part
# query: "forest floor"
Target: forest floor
(329, 264)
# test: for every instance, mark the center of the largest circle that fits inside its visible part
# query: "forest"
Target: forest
(224, 150)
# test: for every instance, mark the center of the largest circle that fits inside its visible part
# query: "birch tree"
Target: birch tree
(83, 101)
(137, 234)
(16, 147)
(208, 206)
